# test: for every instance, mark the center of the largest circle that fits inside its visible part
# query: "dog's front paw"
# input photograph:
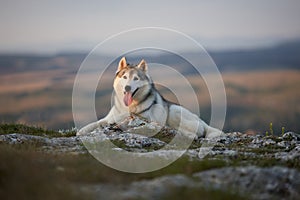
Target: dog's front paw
(87, 129)
(214, 134)
(101, 124)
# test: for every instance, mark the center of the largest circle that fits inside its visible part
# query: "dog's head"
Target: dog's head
(132, 82)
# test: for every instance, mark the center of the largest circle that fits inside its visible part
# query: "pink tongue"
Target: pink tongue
(127, 98)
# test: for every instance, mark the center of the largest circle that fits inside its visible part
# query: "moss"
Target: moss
(293, 164)
(266, 149)
(120, 144)
(165, 135)
(242, 160)
(245, 160)
(274, 137)
(186, 166)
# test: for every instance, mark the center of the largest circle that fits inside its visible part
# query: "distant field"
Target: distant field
(254, 99)
(257, 98)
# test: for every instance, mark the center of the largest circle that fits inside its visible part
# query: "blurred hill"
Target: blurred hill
(281, 56)
(262, 86)
(27, 63)
(284, 55)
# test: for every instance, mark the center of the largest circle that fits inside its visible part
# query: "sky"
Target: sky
(76, 25)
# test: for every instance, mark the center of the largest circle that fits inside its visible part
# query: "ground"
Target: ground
(39, 164)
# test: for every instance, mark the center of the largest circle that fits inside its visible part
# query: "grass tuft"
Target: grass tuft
(33, 130)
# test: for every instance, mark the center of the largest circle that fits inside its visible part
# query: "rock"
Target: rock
(158, 187)
(147, 189)
(22, 138)
(294, 154)
(291, 136)
(45, 144)
(251, 182)
(259, 183)
(136, 134)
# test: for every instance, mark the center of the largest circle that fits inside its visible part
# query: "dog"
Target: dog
(135, 93)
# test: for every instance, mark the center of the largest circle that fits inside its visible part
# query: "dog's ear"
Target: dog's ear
(143, 66)
(122, 64)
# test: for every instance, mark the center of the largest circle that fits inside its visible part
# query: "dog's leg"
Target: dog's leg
(184, 121)
(157, 114)
(190, 124)
(112, 117)
(92, 126)
(211, 132)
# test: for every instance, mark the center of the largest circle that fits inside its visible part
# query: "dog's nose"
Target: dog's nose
(127, 88)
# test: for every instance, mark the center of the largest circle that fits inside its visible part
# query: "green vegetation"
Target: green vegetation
(186, 166)
(282, 131)
(32, 130)
(273, 132)
(271, 129)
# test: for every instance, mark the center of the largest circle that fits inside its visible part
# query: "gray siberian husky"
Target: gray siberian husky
(135, 94)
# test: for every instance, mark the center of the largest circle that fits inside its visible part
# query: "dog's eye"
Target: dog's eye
(125, 77)
(135, 78)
